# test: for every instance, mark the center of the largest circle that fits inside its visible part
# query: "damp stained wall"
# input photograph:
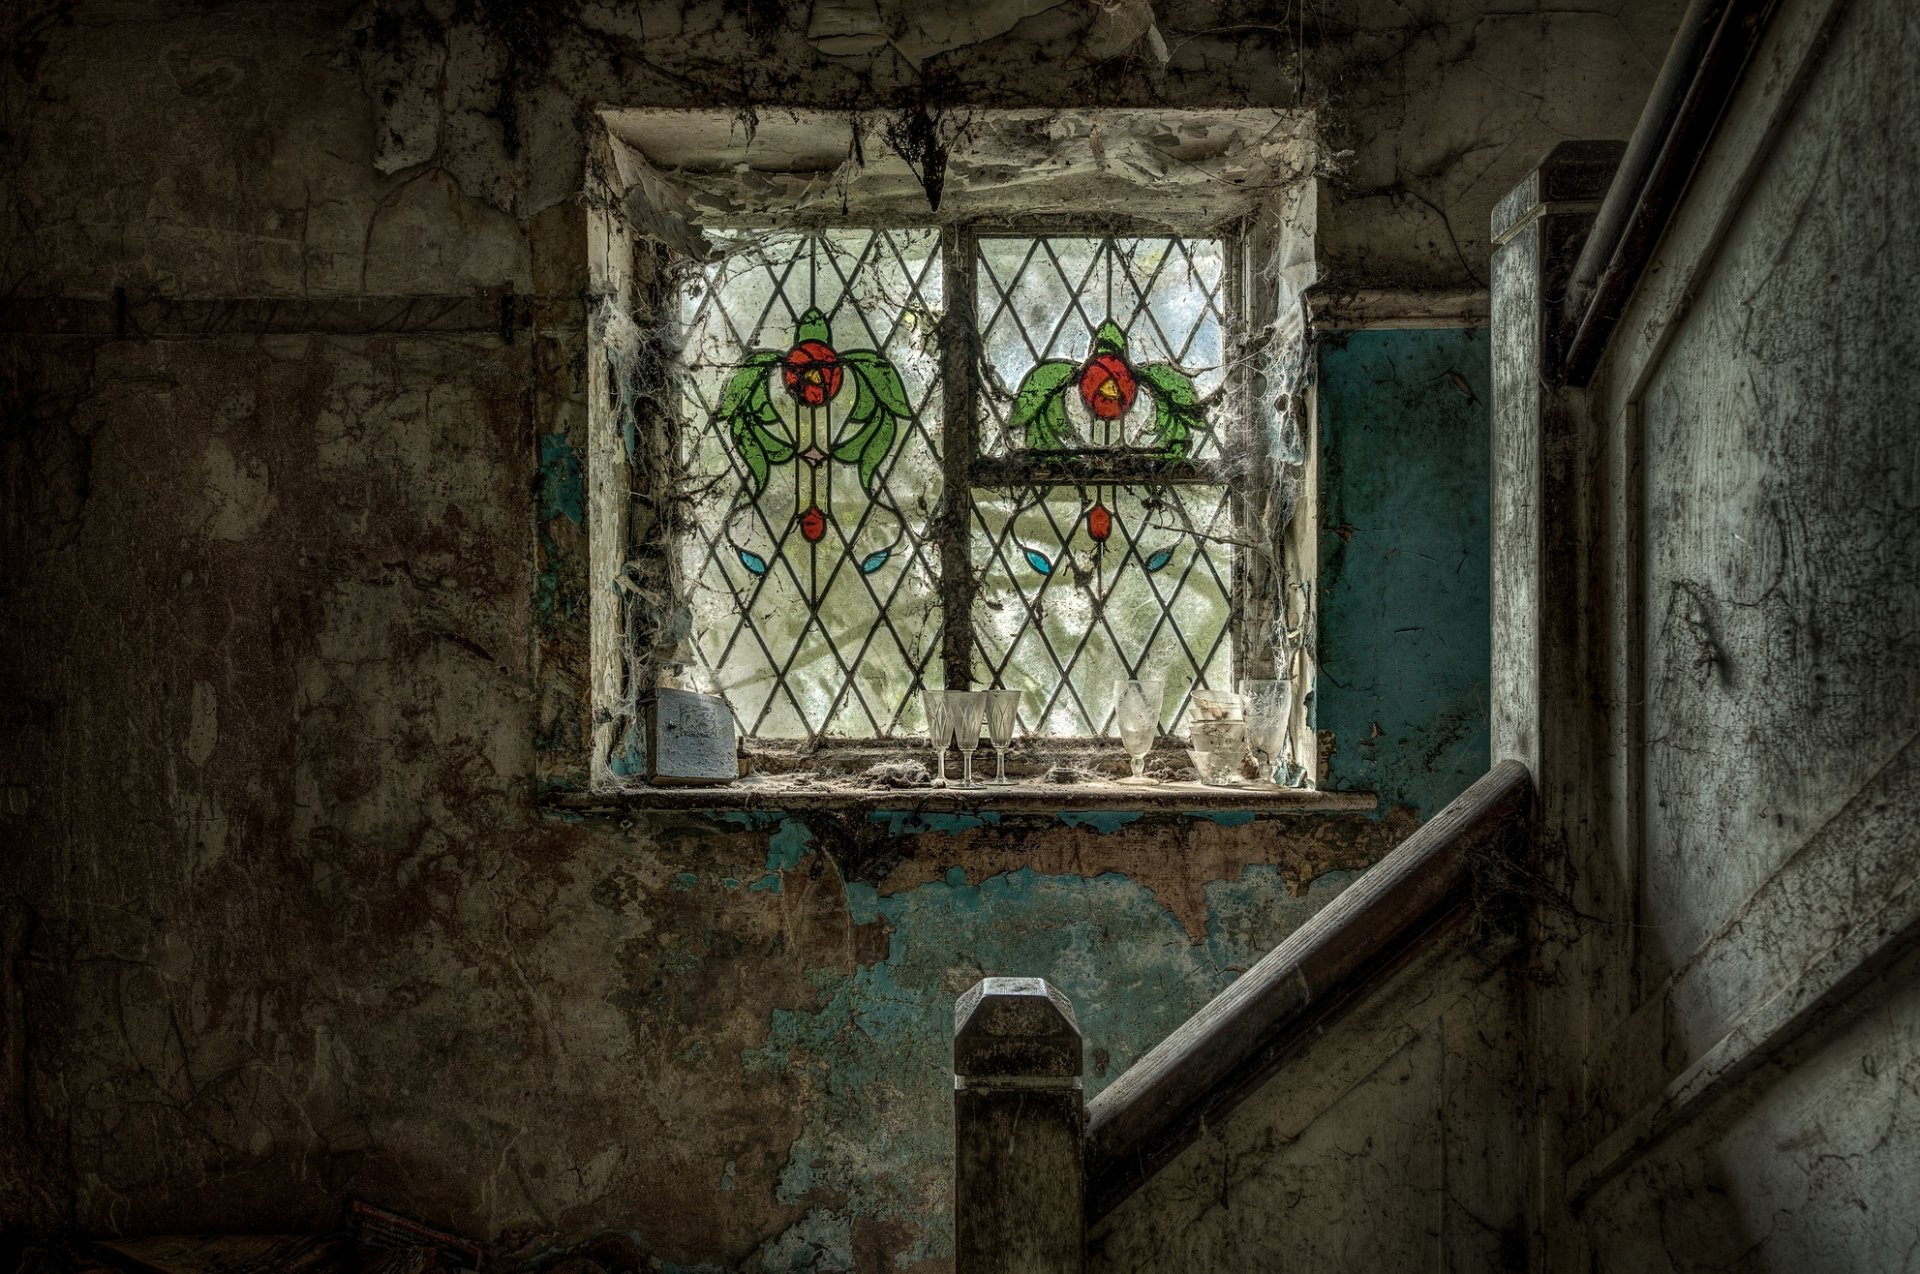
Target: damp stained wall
(294, 564)
(1401, 698)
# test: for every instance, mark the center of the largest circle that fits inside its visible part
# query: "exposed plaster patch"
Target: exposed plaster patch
(1172, 860)
(239, 497)
(877, 1053)
(203, 728)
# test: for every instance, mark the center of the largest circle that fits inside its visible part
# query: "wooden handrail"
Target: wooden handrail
(1226, 1050)
(1710, 51)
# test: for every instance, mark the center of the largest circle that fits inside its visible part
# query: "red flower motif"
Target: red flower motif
(812, 373)
(1107, 386)
(1100, 523)
(813, 524)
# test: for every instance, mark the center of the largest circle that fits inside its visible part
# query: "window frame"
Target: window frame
(974, 470)
(1259, 565)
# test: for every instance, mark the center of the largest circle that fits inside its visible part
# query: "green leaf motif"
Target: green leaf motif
(813, 327)
(1176, 407)
(1170, 429)
(870, 445)
(878, 378)
(747, 408)
(875, 415)
(878, 448)
(748, 380)
(1110, 339)
(1172, 385)
(1039, 406)
(1050, 432)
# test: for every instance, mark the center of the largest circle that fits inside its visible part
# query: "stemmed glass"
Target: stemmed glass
(1136, 710)
(1003, 713)
(1269, 709)
(939, 728)
(965, 708)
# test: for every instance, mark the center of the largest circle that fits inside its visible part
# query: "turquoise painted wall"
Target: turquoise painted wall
(1404, 562)
(866, 1057)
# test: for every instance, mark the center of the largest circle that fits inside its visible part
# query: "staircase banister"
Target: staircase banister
(1221, 1054)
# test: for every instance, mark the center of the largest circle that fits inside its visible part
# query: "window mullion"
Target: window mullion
(958, 429)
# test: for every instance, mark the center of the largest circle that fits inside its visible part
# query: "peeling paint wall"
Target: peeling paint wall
(1402, 695)
(295, 595)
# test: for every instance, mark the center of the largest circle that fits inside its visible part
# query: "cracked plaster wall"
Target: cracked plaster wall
(1395, 1141)
(1743, 858)
(285, 926)
(1717, 1060)
(283, 923)
(1440, 108)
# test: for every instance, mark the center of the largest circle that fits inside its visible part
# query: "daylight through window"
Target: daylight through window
(1028, 493)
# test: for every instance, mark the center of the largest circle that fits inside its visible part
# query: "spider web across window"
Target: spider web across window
(811, 409)
(1046, 298)
(1079, 587)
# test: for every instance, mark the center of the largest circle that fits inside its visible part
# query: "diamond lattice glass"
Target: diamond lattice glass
(811, 404)
(1072, 611)
(1048, 298)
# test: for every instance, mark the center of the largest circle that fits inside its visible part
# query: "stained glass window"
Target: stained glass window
(1048, 300)
(853, 545)
(1083, 586)
(1103, 357)
(813, 404)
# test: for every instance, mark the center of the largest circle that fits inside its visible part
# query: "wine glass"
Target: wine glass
(1136, 710)
(1269, 711)
(939, 728)
(965, 710)
(1003, 713)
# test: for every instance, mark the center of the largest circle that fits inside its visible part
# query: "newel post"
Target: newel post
(1019, 1130)
(1538, 230)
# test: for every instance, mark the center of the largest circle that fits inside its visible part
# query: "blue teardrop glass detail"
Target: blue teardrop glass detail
(874, 561)
(752, 561)
(1159, 558)
(1038, 561)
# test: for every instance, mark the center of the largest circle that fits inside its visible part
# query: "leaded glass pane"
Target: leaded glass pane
(1082, 586)
(1119, 336)
(811, 409)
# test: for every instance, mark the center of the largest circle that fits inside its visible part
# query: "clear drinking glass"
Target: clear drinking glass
(1218, 748)
(966, 709)
(1003, 713)
(1136, 711)
(1269, 713)
(939, 729)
